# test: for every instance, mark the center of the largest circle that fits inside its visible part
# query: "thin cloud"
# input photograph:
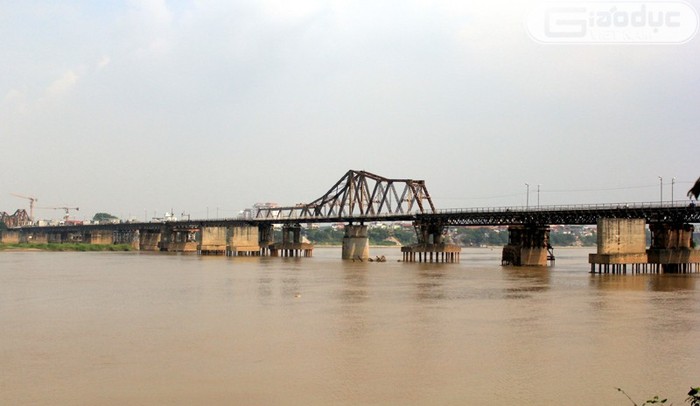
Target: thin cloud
(62, 85)
(104, 61)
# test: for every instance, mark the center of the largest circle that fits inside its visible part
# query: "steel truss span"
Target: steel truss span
(565, 215)
(360, 194)
(361, 197)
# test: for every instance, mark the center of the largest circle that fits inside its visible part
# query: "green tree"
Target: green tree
(324, 235)
(406, 236)
(104, 217)
(589, 240)
(562, 239)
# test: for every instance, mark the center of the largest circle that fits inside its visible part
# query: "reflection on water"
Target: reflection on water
(524, 281)
(131, 328)
(430, 284)
(644, 282)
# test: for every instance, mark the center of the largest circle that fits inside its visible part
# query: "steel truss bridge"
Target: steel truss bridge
(361, 197)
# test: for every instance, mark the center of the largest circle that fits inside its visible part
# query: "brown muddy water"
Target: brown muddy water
(157, 329)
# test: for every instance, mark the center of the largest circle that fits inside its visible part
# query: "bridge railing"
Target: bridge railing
(569, 207)
(312, 218)
(302, 217)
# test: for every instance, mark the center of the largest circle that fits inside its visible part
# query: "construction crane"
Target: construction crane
(32, 200)
(66, 209)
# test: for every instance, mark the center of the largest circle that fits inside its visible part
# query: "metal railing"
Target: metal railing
(569, 207)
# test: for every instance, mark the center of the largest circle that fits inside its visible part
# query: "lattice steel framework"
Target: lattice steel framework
(360, 194)
(572, 215)
(19, 219)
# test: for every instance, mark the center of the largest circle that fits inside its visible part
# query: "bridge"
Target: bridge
(360, 197)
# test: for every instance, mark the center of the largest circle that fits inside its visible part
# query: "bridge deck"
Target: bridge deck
(498, 216)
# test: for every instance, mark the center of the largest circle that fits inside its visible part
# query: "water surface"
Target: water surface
(144, 328)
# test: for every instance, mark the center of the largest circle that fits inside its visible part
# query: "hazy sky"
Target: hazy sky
(138, 107)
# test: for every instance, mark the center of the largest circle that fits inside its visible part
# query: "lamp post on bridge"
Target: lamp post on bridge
(661, 190)
(527, 199)
(538, 195)
(673, 181)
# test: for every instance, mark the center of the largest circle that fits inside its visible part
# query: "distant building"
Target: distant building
(263, 206)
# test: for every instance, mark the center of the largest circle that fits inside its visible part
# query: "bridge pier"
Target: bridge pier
(182, 240)
(355, 242)
(621, 242)
(212, 241)
(34, 237)
(672, 248)
(178, 239)
(99, 237)
(430, 246)
(266, 238)
(244, 241)
(130, 237)
(528, 245)
(291, 245)
(10, 237)
(149, 240)
(57, 238)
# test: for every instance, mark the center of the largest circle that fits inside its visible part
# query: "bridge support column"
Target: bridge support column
(212, 241)
(178, 239)
(56, 238)
(34, 237)
(291, 245)
(244, 241)
(355, 242)
(135, 240)
(266, 238)
(149, 240)
(99, 237)
(9, 237)
(672, 248)
(621, 242)
(528, 245)
(130, 237)
(431, 246)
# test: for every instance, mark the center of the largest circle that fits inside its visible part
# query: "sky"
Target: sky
(137, 108)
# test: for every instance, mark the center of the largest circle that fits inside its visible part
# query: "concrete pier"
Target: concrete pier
(528, 245)
(621, 242)
(355, 242)
(244, 241)
(57, 238)
(130, 237)
(9, 237)
(291, 245)
(672, 248)
(149, 240)
(448, 253)
(266, 238)
(430, 247)
(212, 241)
(99, 237)
(34, 237)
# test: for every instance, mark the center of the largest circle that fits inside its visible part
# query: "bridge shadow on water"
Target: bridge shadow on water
(644, 282)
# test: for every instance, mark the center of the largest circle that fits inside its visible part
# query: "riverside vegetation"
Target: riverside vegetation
(693, 398)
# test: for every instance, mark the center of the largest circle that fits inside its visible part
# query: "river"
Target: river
(152, 329)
